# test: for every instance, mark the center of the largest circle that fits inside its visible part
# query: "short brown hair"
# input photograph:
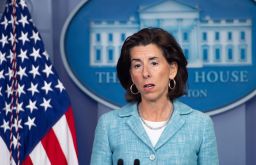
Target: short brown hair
(171, 51)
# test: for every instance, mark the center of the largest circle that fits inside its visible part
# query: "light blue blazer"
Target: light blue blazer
(188, 139)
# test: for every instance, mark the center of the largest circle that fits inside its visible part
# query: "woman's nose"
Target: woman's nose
(146, 73)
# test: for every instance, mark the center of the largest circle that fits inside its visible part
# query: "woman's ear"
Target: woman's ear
(173, 70)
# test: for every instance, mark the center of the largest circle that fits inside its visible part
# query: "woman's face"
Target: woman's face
(150, 72)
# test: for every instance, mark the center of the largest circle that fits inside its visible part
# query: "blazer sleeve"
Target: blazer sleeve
(208, 154)
(101, 152)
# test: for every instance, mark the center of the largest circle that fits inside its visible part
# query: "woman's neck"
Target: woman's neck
(155, 111)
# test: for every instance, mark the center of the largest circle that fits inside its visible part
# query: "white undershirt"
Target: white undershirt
(154, 135)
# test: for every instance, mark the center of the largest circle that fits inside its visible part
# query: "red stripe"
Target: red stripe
(27, 161)
(53, 149)
(71, 125)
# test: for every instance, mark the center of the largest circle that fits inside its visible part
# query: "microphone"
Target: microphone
(136, 162)
(120, 162)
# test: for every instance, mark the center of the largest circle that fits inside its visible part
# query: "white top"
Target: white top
(154, 134)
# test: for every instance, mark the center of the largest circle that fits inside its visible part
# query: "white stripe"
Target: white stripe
(64, 137)
(4, 153)
(38, 156)
(13, 162)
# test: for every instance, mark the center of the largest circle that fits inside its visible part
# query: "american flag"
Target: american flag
(36, 121)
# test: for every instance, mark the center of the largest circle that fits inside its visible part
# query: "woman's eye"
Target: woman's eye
(136, 65)
(154, 63)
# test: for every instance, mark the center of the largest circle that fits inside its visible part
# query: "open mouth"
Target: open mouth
(148, 85)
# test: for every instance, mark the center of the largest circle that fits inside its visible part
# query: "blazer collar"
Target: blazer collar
(175, 124)
(128, 110)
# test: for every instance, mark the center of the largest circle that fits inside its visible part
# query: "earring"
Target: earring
(174, 84)
(134, 93)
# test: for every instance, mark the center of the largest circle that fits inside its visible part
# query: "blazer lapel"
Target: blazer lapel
(136, 126)
(174, 125)
(134, 123)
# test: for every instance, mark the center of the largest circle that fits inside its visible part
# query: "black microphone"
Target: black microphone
(136, 162)
(120, 162)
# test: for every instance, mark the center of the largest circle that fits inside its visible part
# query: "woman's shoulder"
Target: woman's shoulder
(190, 112)
(118, 113)
(195, 119)
(201, 117)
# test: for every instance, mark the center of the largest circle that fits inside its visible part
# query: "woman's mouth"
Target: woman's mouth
(148, 86)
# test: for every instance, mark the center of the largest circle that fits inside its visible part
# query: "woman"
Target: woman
(154, 128)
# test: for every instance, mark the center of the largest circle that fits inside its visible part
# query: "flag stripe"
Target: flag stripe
(27, 161)
(39, 156)
(64, 136)
(53, 149)
(71, 125)
(4, 153)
